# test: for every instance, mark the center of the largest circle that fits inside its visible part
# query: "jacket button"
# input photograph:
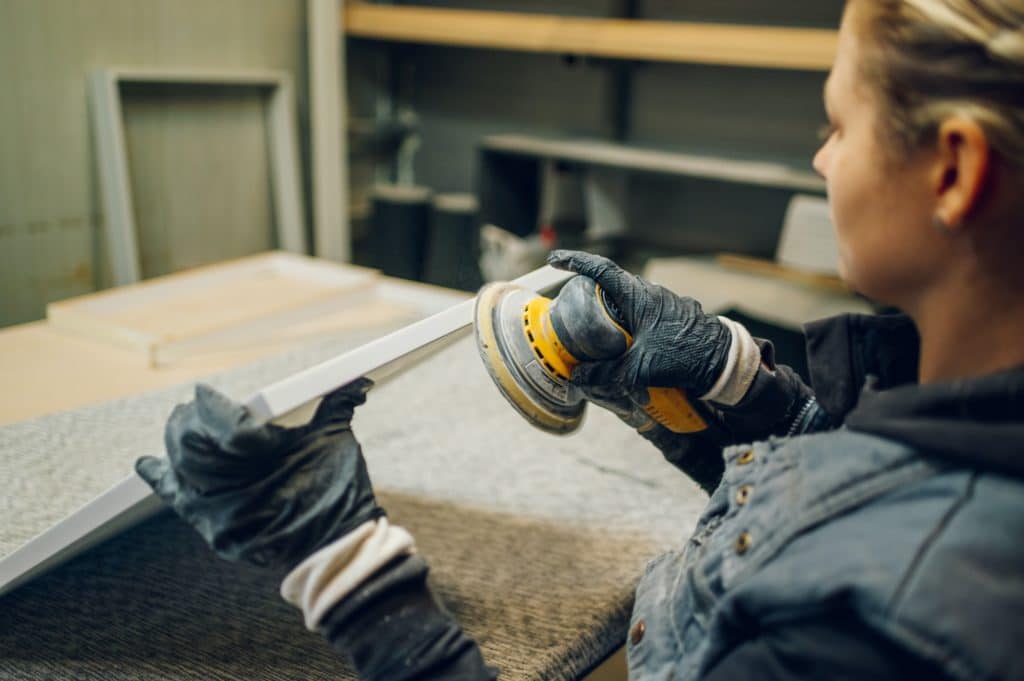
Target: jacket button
(637, 633)
(743, 495)
(743, 543)
(746, 457)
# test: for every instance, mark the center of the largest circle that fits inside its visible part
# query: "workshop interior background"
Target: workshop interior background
(198, 157)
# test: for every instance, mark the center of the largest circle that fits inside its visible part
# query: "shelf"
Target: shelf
(595, 152)
(662, 41)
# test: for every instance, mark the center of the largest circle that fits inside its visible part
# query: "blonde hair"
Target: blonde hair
(933, 59)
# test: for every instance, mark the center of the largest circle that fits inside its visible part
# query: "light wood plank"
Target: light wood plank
(770, 268)
(90, 369)
(217, 306)
(663, 41)
(780, 301)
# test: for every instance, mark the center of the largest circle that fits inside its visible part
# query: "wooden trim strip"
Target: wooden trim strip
(131, 501)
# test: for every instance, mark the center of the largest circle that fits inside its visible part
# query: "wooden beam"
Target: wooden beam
(663, 41)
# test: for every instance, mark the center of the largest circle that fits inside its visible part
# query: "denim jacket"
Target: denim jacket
(909, 518)
(920, 548)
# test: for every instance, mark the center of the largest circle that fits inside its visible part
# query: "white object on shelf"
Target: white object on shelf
(504, 256)
(808, 240)
(605, 192)
(561, 196)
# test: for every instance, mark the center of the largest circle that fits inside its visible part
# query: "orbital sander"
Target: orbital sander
(530, 344)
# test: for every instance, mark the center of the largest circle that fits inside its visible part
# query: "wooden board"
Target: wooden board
(772, 269)
(782, 301)
(217, 307)
(669, 41)
(131, 501)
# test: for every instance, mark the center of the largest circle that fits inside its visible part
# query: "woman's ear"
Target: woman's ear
(962, 169)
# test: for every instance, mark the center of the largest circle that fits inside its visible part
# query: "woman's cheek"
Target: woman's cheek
(846, 260)
(843, 217)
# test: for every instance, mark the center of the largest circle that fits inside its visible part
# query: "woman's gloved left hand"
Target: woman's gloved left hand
(260, 492)
(300, 500)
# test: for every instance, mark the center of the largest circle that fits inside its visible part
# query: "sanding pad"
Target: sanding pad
(547, 402)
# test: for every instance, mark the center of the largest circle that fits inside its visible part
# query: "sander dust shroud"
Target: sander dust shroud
(530, 344)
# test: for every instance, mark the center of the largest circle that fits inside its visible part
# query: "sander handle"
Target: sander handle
(672, 408)
(668, 406)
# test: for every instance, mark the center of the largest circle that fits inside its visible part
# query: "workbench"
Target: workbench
(535, 542)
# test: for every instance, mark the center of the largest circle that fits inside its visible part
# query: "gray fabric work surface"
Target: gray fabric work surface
(535, 541)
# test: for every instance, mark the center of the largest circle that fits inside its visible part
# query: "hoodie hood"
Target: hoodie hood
(864, 372)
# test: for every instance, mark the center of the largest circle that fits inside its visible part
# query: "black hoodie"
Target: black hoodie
(864, 372)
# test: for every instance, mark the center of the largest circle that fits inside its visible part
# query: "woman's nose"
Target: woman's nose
(820, 161)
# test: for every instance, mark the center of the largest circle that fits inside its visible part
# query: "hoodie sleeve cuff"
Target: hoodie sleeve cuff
(774, 401)
(393, 629)
(329, 575)
(741, 366)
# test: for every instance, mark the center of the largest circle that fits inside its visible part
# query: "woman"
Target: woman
(872, 531)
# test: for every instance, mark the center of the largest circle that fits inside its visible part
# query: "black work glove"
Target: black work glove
(260, 492)
(675, 344)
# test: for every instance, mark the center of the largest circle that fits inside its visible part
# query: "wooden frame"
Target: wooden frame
(664, 41)
(115, 185)
(288, 401)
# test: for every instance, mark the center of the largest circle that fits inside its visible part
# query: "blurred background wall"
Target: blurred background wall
(197, 155)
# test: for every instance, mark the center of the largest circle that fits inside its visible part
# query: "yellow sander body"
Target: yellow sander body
(530, 345)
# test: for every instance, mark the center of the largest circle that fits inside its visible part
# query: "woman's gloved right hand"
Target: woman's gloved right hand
(677, 345)
(698, 455)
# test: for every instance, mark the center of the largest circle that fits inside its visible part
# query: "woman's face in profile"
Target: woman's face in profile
(881, 207)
